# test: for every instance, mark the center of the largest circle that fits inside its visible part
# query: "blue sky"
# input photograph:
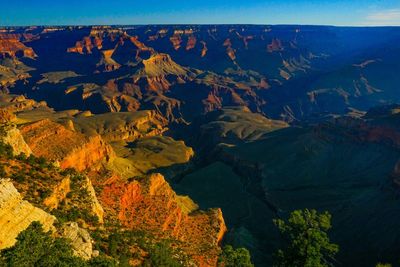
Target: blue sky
(321, 12)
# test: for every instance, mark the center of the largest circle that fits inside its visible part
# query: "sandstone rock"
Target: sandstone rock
(107, 63)
(11, 46)
(13, 137)
(72, 149)
(150, 204)
(95, 205)
(18, 103)
(89, 201)
(81, 241)
(16, 214)
(159, 69)
(127, 126)
(7, 116)
(59, 194)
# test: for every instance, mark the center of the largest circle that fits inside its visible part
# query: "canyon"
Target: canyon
(122, 138)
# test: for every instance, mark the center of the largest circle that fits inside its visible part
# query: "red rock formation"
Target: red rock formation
(18, 103)
(11, 46)
(159, 69)
(71, 149)
(229, 50)
(107, 63)
(82, 47)
(78, 48)
(150, 204)
(204, 50)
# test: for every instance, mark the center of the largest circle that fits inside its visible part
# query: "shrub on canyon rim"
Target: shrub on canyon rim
(306, 240)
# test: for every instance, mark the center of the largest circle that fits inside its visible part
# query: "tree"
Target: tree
(231, 257)
(34, 247)
(306, 242)
(161, 254)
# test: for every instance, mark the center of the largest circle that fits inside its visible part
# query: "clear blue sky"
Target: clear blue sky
(322, 12)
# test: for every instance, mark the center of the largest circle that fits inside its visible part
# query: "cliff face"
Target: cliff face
(59, 193)
(17, 103)
(11, 46)
(12, 136)
(161, 72)
(81, 241)
(150, 204)
(16, 214)
(71, 149)
(107, 63)
(6, 116)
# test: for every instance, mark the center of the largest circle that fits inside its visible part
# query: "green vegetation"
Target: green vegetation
(35, 247)
(307, 243)
(126, 245)
(6, 151)
(76, 206)
(161, 254)
(231, 257)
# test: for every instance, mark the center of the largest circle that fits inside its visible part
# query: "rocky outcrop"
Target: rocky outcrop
(81, 241)
(6, 116)
(71, 149)
(229, 50)
(88, 154)
(16, 214)
(17, 103)
(59, 193)
(126, 126)
(70, 191)
(107, 63)
(11, 46)
(82, 47)
(150, 204)
(204, 49)
(94, 203)
(12, 136)
(161, 72)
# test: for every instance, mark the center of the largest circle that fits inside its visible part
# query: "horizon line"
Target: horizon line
(200, 24)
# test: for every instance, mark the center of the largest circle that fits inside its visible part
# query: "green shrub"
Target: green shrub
(2, 171)
(161, 254)
(231, 257)
(306, 242)
(34, 247)
(6, 150)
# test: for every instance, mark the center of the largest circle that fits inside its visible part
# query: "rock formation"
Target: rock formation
(150, 204)
(125, 126)
(11, 46)
(16, 214)
(13, 137)
(107, 63)
(159, 69)
(71, 149)
(81, 241)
